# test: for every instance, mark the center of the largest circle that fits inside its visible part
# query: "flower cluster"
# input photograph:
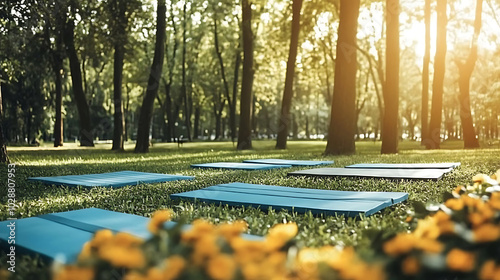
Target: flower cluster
(460, 239)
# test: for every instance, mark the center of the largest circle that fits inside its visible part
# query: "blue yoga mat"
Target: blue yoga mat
(300, 200)
(239, 166)
(61, 235)
(289, 162)
(113, 179)
(442, 165)
(415, 174)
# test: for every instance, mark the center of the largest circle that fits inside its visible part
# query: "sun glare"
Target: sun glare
(461, 14)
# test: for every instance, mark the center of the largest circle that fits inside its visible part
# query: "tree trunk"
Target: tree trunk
(465, 72)
(187, 114)
(245, 132)
(119, 125)
(58, 125)
(232, 105)
(169, 114)
(196, 128)
(342, 127)
(434, 134)
(425, 73)
(218, 126)
(146, 113)
(284, 119)
(3, 148)
(221, 64)
(391, 93)
(86, 133)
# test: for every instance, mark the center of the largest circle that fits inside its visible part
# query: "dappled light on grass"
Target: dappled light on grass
(315, 231)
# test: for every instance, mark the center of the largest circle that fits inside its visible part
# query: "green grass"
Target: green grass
(35, 198)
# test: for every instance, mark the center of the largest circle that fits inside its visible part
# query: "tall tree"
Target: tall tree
(187, 114)
(230, 96)
(55, 18)
(434, 134)
(118, 26)
(284, 119)
(342, 127)
(245, 132)
(168, 108)
(3, 148)
(425, 72)
(465, 72)
(146, 113)
(391, 93)
(86, 133)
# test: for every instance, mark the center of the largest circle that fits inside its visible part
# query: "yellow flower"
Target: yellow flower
(486, 233)
(204, 248)
(487, 271)
(230, 231)
(127, 239)
(174, 267)
(429, 245)
(199, 229)
(410, 266)
(221, 267)
(456, 204)
(248, 250)
(470, 201)
(285, 231)
(426, 228)
(122, 257)
(494, 201)
(86, 251)
(75, 273)
(460, 260)
(400, 244)
(101, 237)
(154, 273)
(280, 234)
(159, 217)
(476, 219)
(133, 275)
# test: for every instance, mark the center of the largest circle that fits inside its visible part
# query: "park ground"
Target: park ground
(35, 198)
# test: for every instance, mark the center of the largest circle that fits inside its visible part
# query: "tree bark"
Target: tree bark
(196, 125)
(58, 125)
(425, 73)
(4, 158)
(187, 113)
(284, 119)
(118, 122)
(465, 72)
(232, 105)
(222, 68)
(434, 134)
(245, 132)
(146, 113)
(342, 127)
(119, 27)
(391, 93)
(86, 133)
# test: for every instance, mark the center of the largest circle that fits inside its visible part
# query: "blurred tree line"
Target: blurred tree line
(80, 70)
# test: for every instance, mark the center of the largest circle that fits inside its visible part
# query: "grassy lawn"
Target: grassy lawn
(35, 198)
